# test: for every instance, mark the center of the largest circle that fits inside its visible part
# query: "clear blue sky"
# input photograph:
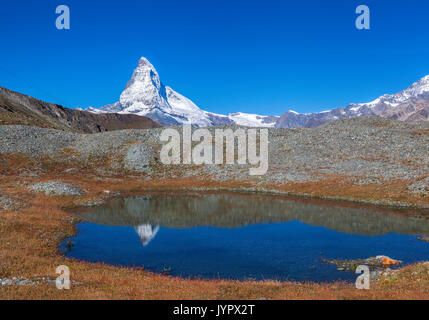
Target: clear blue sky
(227, 55)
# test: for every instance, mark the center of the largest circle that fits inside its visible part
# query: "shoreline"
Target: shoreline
(227, 191)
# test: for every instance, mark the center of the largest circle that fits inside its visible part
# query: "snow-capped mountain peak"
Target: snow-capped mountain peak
(144, 90)
(146, 95)
(418, 88)
(145, 73)
(145, 62)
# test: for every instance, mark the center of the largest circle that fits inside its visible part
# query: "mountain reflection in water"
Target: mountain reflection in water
(236, 210)
(146, 233)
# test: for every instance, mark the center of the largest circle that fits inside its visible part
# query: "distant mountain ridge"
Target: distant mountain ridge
(20, 109)
(147, 96)
(411, 104)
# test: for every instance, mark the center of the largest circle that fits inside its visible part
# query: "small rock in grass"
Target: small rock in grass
(373, 262)
(387, 261)
(423, 238)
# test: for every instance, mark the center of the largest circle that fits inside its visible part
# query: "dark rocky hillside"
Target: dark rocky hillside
(19, 109)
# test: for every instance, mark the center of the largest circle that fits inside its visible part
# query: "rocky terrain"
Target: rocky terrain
(19, 109)
(359, 151)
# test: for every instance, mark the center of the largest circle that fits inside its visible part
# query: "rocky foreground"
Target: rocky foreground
(350, 153)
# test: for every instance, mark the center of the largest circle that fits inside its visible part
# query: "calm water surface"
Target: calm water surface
(244, 236)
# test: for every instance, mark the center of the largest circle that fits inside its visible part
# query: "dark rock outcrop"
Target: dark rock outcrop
(19, 109)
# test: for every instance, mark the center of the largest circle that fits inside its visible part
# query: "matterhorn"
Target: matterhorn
(146, 95)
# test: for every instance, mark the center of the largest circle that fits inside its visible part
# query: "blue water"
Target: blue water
(288, 250)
